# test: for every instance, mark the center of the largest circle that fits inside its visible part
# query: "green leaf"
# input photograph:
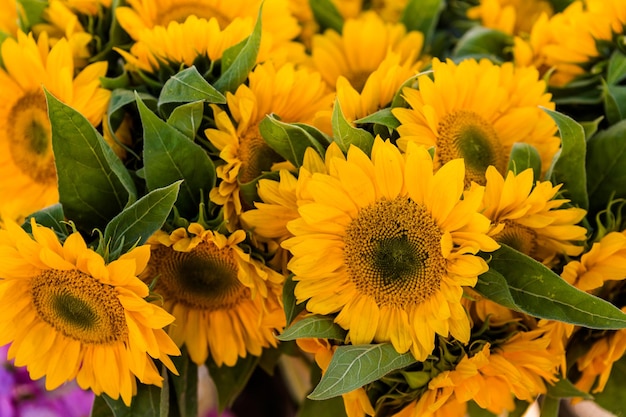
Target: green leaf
(235, 73)
(483, 42)
(569, 165)
(606, 166)
(474, 410)
(612, 396)
(170, 156)
(122, 97)
(188, 85)
(230, 381)
(51, 217)
(289, 140)
(614, 97)
(147, 403)
(616, 72)
(291, 306)
(134, 225)
(30, 13)
(591, 127)
(381, 117)
(564, 388)
(332, 407)
(550, 406)
(524, 156)
(185, 385)
(94, 185)
(353, 366)
(100, 408)
(345, 134)
(423, 16)
(322, 327)
(326, 15)
(187, 118)
(520, 283)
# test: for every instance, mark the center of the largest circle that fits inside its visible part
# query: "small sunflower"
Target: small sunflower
(389, 246)
(28, 170)
(226, 303)
(510, 16)
(294, 95)
(356, 403)
(492, 377)
(68, 315)
(529, 218)
(362, 46)
(477, 110)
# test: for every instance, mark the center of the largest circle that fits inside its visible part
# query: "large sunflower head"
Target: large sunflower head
(510, 16)
(388, 246)
(69, 315)
(477, 111)
(29, 174)
(225, 302)
(528, 217)
(361, 48)
(294, 95)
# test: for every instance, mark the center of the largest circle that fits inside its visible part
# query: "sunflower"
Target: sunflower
(510, 16)
(294, 95)
(70, 316)
(477, 111)
(356, 403)
(361, 48)
(388, 245)
(529, 218)
(28, 171)
(492, 377)
(225, 302)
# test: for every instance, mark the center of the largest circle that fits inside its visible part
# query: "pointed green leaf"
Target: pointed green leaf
(170, 156)
(187, 118)
(381, 117)
(520, 283)
(291, 306)
(591, 127)
(345, 134)
(289, 140)
(189, 85)
(524, 156)
(122, 97)
(563, 388)
(606, 166)
(616, 71)
(230, 381)
(614, 97)
(353, 366)
(423, 16)
(481, 42)
(185, 385)
(612, 396)
(326, 15)
(235, 73)
(550, 406)
(51, 217)
(569, 165)
(137, 223)
(331, 407)
(147, 403)
(322, 327)
(94, 185)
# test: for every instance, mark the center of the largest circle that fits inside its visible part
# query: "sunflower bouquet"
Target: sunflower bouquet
(409, 208)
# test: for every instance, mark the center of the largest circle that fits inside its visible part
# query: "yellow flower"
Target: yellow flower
(294, 95)
(28, 171)
(70, 316)
(477, 111)
(8, 17)
(361, 48)
(389, 246)
(528, 217)
(226, 303)
(356, 403)
(492, 378)
(510, 16)
(605, 261)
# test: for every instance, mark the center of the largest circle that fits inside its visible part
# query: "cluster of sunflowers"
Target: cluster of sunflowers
(395, 207)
